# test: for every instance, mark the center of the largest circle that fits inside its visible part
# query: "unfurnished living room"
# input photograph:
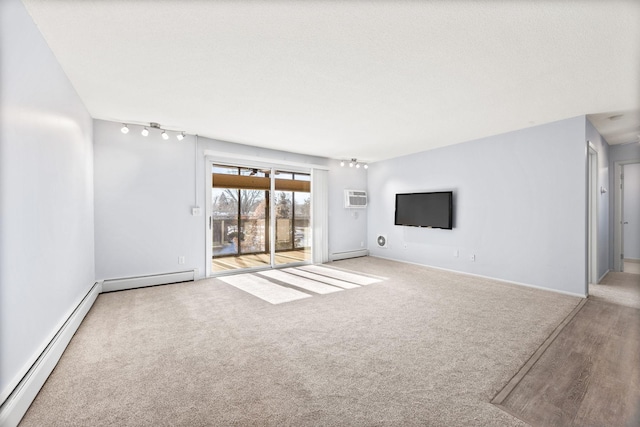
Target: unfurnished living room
(319, 213)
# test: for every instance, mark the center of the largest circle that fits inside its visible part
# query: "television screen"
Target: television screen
(434, 210)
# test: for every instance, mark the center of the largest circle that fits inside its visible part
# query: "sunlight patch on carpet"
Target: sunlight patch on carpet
(264, 289)
(295, 283)
(341, 275)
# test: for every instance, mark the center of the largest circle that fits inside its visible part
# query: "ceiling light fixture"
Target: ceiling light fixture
(146, 131)
(354, 162)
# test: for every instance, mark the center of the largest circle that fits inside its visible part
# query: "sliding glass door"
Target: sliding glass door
(243, 202)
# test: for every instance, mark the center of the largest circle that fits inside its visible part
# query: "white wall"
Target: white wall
(631, 209)
(348, 226)
(145, 188)
(46, 195)
(519, 206)
(604, 236)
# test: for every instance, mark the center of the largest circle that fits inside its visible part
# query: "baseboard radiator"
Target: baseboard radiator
(18, 402)
(349, 254)
(112, 285)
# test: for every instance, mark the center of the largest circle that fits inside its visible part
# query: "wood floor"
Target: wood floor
(632, 266)
(590, 373)
(259, 260)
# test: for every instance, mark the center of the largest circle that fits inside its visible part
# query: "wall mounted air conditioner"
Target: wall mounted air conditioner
(355, 199)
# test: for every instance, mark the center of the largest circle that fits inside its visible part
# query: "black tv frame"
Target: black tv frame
(450, 227)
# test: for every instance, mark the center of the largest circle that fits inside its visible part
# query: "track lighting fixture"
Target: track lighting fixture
(146, 130)
(354, 162)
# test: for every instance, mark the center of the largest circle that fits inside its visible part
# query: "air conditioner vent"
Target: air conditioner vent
(355, 199)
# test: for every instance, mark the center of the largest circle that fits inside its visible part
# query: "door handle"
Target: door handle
(209, 222)
(626, 222)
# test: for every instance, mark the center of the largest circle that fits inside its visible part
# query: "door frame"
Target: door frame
(618, 210)
(592, 216)
(212, 158)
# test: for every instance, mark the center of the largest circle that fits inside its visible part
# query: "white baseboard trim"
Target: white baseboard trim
(634, 260)
(18, 402)
(112, 285)
(602, 277)
(510, 282)
(349, 254)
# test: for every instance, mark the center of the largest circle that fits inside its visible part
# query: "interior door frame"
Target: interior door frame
(618, 210)
(248, 162)
(593, 207)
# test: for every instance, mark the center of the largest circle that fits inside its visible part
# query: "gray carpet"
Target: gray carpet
(424, 347)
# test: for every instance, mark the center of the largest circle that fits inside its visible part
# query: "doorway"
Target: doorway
(627, 217)
(259, 217)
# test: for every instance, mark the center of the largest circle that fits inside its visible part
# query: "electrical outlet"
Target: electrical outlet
(181, 259)
(472, 258)
(196, 211)
(456, 253)
(362, 244)
(404, 245)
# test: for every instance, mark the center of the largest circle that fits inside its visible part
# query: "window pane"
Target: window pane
(227, 170)
(284, 216)
(283, 175)
(255, 172)
(252, 223)
(224, 221)
(302, 231)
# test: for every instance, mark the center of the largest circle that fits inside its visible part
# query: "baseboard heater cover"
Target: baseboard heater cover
(349, 254)
(18, 402)
(144, 281)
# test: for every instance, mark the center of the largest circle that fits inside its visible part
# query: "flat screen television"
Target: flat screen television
(432, 210)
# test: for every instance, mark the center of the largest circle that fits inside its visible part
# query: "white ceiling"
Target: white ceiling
(342, 79)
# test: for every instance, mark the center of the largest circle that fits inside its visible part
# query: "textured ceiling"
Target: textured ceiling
(342, 79)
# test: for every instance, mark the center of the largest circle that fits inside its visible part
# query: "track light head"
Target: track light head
(180, 136)
(341, 162)
(357, 165)
(125, 129)
(145, 131)
(165, 136)
(351, 164)
(366, 166)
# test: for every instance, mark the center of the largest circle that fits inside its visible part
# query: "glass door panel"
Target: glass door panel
(293, 214)
(253, 214)
(240, 218)
(225, 221)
